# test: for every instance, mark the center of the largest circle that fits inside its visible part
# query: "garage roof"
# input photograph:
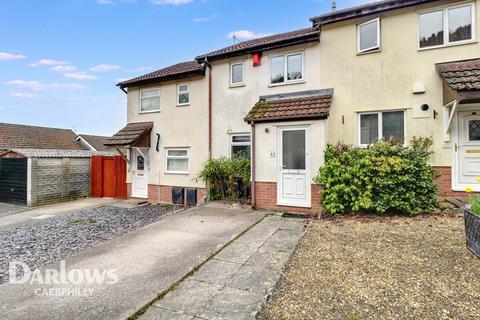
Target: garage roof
(54, 153)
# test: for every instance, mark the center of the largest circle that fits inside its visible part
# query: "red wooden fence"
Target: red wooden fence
(108, 177)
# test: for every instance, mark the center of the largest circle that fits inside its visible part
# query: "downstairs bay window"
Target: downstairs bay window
(386, 125)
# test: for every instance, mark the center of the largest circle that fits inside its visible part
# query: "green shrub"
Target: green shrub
(226, 178)
(384, 177)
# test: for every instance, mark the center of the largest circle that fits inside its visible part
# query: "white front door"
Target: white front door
(293, 188)
(139, 176)
(468, 148)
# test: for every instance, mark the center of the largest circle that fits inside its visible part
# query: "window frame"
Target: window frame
(233, 144)
(370, 49)
(168, 157)
(380, 125)
(446, 32)
(140, 98)
(237, 84)
(285, 69)
(183, 92)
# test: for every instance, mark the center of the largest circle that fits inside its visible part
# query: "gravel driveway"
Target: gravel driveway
(53, 239)
(380, 268)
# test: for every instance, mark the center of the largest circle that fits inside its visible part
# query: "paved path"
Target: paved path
(147, 261)
(235, 282)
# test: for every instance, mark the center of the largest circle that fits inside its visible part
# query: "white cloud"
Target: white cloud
(80, 76)
(173, 2)
(49, 62)
(23, 95)
(4, 56)
(246, 34)
(205, 19)
(63, 69)
(104, 67)
(38, 86)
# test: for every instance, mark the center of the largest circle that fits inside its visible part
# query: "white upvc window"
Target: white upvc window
(177, 160)
(287, 68)
(240, 145)
(385, 125)
(237, 74)
(183, 94)
(368, 36)
(447, 26)
(149, 100)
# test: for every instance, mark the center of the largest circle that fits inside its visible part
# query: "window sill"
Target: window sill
(368, 52)
(449, 45)
(183, 105)
(286, 83)
(145, 112)
(177, 172)
(237, 85)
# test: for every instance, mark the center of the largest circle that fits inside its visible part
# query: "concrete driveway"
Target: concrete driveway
(7, 209)
(146, 262)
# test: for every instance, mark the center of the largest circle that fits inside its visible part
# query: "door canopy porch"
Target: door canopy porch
(134, 135)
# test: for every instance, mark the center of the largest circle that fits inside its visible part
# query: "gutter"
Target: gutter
(253, 166)
(209, 108)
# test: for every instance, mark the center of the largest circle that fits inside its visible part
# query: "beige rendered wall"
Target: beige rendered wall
(185, 126)
(231, 105)
(384, 80)
(266, 165)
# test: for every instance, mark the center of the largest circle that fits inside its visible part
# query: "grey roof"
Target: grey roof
(56, 153)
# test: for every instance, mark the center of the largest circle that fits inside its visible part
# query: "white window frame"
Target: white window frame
(233, 144)
(183, 92)
(380, 125)
(285, 69)
(237, 84)
(446, 41)
(168, 157)
(140, 100)
(370, 49)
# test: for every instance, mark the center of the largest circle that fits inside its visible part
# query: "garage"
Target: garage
(13, 180)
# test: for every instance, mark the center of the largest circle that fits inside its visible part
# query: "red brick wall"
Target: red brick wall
(163, 194)
(444, 182)
(266, 198)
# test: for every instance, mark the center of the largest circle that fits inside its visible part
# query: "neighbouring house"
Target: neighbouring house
(41, 165)
(387, 70)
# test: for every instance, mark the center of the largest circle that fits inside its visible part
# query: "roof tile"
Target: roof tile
(130, 134)
(461, 75)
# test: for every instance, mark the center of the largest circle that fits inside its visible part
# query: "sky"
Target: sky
(61, 59)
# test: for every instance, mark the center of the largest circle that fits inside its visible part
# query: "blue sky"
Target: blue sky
(60, 59)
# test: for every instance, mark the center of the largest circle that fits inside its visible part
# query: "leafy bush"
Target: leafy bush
(227, 178)
(383, 178)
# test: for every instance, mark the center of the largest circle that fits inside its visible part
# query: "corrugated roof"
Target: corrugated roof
(55, 153)
(264, 43)
(461, 75)
(293, 106)
(176, 71)
(130, 134)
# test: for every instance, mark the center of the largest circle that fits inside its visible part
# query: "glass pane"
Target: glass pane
(293, 149)
(368, 35)
(140, 163)
(294, 67)
(177, 164)
(237, 73)
(277, 70)
(241, 139)
(177, 153)
(241, 152)
(150, 93)
(431, 29)
(183, 98)
(183, 88)
(368, 128)
(474, 130)
(459, 24)
(150, 104)
(393, 126)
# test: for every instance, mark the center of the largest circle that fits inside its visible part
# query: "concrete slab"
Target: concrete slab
(7, 209)
(164, 314)
(146, 261)
(216, 272)
(258, 278)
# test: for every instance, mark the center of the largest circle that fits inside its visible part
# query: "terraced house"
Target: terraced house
(387, 70)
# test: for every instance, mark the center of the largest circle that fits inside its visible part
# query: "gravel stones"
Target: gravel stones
(46, 241)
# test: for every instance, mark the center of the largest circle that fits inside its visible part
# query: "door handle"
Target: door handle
(456, 147)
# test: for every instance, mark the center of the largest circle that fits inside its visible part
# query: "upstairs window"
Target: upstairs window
(388, 126)
(446, 26)
(183, 94)
(240, 146)
(368, 36)
(150, 100)
(237, 74)
(286, 68)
